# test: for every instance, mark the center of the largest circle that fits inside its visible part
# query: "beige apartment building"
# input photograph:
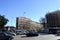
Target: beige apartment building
(28, 24)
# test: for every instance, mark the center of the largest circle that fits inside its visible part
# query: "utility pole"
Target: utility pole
(24, 13)
(23, 19)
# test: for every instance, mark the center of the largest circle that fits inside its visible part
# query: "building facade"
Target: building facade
(26, 23)
(9, 28)
(22, 22)
(53, 21)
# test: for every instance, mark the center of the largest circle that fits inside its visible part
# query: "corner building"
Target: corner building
(53, 21)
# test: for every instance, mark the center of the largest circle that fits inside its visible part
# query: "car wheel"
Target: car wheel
(10, 39)
(6, 39)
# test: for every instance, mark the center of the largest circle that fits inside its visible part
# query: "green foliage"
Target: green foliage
(3, 21)
(43, 22)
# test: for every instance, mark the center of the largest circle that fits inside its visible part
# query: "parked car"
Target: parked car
(12, 34)
(19, 32)
(3, 36)
(29, 34)
(58, 39)
(58, 33)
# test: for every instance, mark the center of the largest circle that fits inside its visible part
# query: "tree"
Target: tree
(3, 22)
(43, 21)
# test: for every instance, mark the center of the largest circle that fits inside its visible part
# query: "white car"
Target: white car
(19, 32)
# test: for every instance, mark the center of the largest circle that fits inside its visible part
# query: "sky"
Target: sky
(33, 9)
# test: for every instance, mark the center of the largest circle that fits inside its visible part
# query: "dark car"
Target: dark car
(12, 32)
(3, 36)
(29, 34)
(58, 33)
(58, 39)
(18, 32)
(8, 33)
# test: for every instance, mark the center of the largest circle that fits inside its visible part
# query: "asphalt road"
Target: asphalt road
(40, 37)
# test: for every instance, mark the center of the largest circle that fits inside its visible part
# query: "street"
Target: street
(40, 37)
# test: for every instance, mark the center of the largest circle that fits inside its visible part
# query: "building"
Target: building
(22, 22)
(9, 28)
(27, 24)
(53, 21)
(36, 26)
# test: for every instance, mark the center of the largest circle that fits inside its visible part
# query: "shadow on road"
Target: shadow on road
(58, 39)
(44, 34)
(26, 36)
(23, 36)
